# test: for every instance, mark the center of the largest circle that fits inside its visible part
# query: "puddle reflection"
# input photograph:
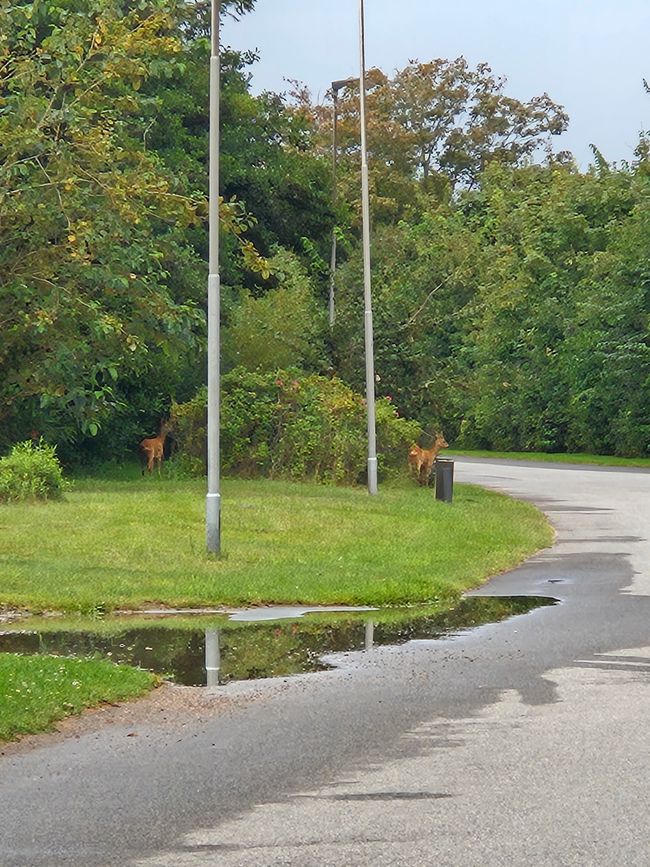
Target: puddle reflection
(209, 651)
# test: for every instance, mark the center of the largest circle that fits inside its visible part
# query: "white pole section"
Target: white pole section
(367, 285)
(212, 657)
(335, 99)
(213, 500)
(336, 86)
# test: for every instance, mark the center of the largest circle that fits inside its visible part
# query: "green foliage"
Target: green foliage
(510, 300)
(432, 129)
(185, 466)
(424, 276)
(559, 349)
(267, 159)
(101, 287)
(31, 472)
(190, 429)
(455, 120)
(287, 425)
(517, 317)
(91, 225)
(282, 328)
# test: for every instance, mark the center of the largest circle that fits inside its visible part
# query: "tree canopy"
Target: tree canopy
(433, 128)
(511, 290)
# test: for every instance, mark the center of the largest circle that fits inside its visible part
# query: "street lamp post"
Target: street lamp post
(213, 500)
(336, 86)
(367, 282)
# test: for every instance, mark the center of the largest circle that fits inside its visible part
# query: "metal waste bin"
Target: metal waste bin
(444, 479)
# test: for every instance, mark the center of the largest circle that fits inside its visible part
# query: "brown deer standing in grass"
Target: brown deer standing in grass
(152, 449)
(421, 460)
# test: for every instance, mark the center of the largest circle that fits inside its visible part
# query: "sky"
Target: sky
(590, 56)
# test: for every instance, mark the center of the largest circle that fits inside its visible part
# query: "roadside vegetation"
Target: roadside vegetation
(510, 290)
(552, 457)
(37, 691)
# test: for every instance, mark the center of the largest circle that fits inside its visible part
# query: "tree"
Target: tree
(555, 328)
(425, 276)
(436, 125)
(459, 120)
(516, 316)
(282, 328)
(99, 289)
(608, 352)
(266, 157)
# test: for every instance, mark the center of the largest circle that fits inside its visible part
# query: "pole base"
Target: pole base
(372, 475)
(213, 523)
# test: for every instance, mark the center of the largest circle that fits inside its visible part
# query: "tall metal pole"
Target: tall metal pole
(335, 101)
(367, 283)
(336, 86)
(213, 500)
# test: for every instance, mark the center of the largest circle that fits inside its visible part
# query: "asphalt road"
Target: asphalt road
(520, 743)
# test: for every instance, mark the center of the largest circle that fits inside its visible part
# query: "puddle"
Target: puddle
(215, 650)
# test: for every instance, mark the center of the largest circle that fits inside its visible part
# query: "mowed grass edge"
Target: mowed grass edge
(37, 691)
(555, 457)
(135, 543)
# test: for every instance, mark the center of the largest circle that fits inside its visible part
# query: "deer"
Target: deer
(421, 460)
(152, 449)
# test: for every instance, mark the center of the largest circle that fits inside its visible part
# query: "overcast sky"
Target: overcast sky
(588, 55)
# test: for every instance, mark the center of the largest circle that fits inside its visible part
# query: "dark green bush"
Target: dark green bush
(287, 425)
(31, 472)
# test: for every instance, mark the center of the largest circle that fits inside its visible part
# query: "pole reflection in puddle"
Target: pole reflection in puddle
(370, 634)
(253, 651)
(212, 657)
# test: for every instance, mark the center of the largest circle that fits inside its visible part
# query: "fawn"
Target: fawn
(421, 460)
(152, 449)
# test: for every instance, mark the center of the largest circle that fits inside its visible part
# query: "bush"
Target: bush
(282, 328)
(287, 425)
(31, 472)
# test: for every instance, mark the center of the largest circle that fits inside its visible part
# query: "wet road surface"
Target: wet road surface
(524, 742)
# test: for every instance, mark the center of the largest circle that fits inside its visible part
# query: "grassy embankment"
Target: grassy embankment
(128, 542)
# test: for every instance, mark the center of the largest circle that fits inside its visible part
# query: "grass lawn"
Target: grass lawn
(129, 542)
(38, 690)
(132, 542)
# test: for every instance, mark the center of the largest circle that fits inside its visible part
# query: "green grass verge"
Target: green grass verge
(36, 691)
(132, 542)
(599, 460)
